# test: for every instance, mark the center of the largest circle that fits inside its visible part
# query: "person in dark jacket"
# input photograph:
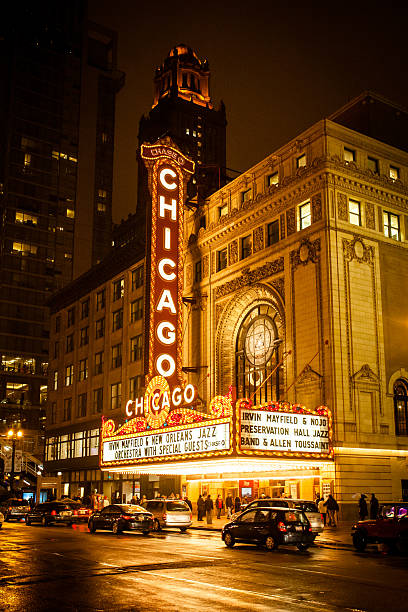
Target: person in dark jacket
(200, 508)
(188, 502)
(332, 508)
(362, 507)
(237, 504)
(229, 504)
(373, 506)
(209, 507)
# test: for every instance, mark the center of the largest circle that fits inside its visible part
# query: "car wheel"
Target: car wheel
(156, 525)
(146, 533)
(28, 521)
(271, 543)
(44, 521)
(229, 540)
(183, 529)
(116, 528)
(302, 546)
(360, 540)
(91, 527)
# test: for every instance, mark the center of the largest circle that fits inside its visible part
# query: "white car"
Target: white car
(1, 519)
(169, 513)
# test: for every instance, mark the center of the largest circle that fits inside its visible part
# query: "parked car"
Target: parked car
(1, 519)
(270, 526)
(309, 507)
(121, 517)
(14, 508)
(50, 512)
(169, 513)
(80, 512)
(390, 528)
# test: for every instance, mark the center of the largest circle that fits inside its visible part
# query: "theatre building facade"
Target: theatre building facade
(290, 336)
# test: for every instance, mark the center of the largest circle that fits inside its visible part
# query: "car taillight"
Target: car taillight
(10, 509)
(164, 516)
(281, 526)
(76, 512)
(53, 513)
(126, 516)
(310, 528)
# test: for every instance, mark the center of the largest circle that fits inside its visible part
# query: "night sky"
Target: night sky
(279, 67)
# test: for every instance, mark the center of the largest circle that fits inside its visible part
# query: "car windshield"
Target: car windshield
(306, 506)
(177, 505)
(295, 517)
(131, 509)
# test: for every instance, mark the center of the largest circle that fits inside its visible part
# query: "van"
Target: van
(169, 513)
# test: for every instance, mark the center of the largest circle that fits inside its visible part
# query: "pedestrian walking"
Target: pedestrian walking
(188, 502)
(237, 504)
(209, 507)
(332, 507)
(322, 509)
(362, 507)
(373, 507)
(200, 508)
(219, 504)
(229, 504)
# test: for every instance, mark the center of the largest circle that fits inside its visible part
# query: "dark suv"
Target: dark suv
(270, 527)
(390, 528)
(50, 512)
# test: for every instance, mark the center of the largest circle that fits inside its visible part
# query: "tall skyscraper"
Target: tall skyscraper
(58, 84)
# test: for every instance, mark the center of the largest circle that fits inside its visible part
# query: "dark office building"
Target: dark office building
(58, 83)
(183, 109)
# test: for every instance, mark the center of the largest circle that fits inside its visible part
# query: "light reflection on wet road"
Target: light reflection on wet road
(60, 568)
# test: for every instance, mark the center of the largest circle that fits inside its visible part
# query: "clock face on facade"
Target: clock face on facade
(259, 341)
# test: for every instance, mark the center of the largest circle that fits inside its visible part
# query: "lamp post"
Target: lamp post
(13, 436)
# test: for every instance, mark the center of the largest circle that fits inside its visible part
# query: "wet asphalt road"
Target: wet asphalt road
(67, 568)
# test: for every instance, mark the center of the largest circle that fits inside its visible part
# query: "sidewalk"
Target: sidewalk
(332, 537)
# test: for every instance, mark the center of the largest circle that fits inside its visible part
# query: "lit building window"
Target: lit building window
(101, 207)
(305, 217)
(372, 164)
(188, 131)
(118, 289)
(69, 375)
(136, 310)
(222, 210)
(246, 247)
(301, 161)
(116, 396)
(394, 173)
(349, 155)
(194, 134)
(72, 159)
(102, 194)
(23, 248)
(99, 328)
(27, 160)
(272, 179)
(98, 365)
(68, 256)
(221, 259)
(55, 386)
(70, 212)
(83, 369)
(401, 408)
(391, 225)
(354, 212)
(116, 356)
(104, 137)
(137, 278)
(22, 217)
(273, 233)
(136, 348)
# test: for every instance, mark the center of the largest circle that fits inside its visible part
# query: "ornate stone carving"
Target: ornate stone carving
(291, 221)
(233, 252)
(189, 275)
(282, 227)
(308, 376)
(316, 207)
(248, 277)
(342, 206)
(204, 266)
(370, 215)
(356, 249)
(279, 285)
(307, 252)
(218, 311)
(258, 239)
(365, 374)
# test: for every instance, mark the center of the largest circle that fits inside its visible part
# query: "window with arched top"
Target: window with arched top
(257, 355)
(401, 407)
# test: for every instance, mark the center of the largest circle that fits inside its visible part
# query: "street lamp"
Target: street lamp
(13, 436)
